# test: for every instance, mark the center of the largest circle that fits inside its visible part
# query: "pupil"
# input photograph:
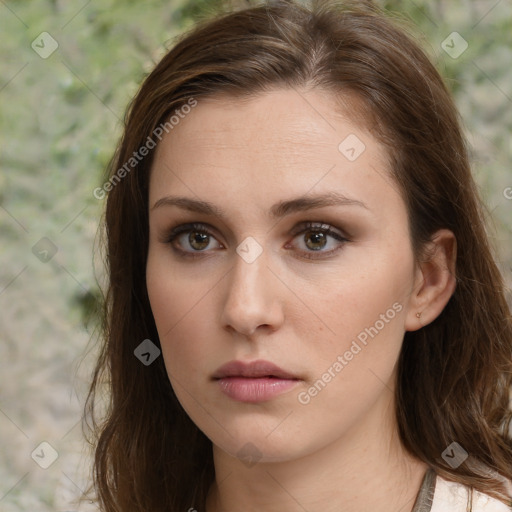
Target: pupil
(316, 241)
(198, 241)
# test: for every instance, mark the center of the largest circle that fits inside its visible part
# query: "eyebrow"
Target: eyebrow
(277, 211)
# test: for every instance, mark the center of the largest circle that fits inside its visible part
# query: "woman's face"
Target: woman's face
(290, 246)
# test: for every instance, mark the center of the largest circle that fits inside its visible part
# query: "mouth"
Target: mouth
(253, 370)
(254, 382)
(255, 389)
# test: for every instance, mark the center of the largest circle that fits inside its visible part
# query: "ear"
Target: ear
(434, 281)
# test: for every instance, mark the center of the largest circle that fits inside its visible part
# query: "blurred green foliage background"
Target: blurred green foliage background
(60, 118)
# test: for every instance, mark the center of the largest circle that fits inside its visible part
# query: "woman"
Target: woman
(304, 312)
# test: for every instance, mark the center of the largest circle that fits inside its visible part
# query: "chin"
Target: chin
(256, 445)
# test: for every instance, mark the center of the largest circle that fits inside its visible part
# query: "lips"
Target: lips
(255, 369)
(255, 382)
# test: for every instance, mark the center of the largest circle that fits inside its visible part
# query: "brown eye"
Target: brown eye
(198, 241)
(193, 239)
(314, 240)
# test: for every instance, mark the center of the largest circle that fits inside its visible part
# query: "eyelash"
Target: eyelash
(302, 228)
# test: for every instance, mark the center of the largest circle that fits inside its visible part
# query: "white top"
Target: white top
(439, 495)
(454, 497)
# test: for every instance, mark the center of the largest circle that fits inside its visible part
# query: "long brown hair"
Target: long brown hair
(454, 375)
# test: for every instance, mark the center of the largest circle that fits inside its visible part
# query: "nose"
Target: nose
(252, 299)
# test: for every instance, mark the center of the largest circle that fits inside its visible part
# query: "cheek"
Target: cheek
(184, 321)
(166, 297)
(359, 296)
(184, 317)
(173, 294)
(353, 359)
(360, 316)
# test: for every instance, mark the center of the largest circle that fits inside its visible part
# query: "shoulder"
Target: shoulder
(454, 497)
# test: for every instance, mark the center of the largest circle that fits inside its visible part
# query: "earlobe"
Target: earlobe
(435, 281)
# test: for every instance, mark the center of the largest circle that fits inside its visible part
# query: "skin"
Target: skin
(340, 451)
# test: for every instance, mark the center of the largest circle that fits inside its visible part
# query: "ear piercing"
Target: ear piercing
(418, 314)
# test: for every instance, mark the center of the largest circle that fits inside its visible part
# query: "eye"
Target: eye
(192, 238)
(319, 238)
(312, 240)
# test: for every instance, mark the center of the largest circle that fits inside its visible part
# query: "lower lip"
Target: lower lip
(244, 389)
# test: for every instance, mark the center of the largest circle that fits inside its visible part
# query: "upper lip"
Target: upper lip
(253, 369)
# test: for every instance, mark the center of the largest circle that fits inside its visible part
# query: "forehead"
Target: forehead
(273, 145)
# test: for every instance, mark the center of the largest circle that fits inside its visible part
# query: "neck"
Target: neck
(366, 469)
